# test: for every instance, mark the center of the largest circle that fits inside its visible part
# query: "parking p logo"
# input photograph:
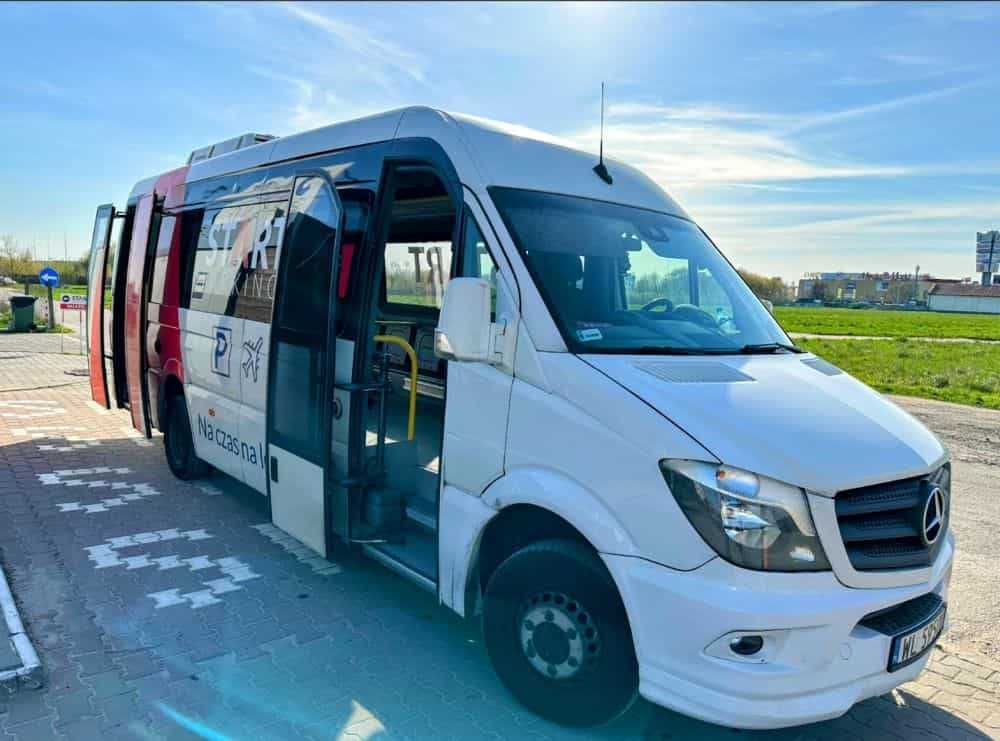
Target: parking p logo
(220, 355)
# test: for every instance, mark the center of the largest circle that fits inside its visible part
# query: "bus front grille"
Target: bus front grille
(886, 526)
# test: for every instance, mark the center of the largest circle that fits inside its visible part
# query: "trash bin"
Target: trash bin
(22, 309)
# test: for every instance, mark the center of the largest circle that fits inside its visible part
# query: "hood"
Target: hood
(794, 418)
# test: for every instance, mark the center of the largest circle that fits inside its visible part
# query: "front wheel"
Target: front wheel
(178, 443)
(558, 636)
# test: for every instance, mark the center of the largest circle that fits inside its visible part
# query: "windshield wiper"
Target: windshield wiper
(764, 348)
(667, 350)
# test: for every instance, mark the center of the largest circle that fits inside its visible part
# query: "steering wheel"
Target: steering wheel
(695, 315)
(656, 303)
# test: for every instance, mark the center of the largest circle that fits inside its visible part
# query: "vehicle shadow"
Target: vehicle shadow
(392, 664)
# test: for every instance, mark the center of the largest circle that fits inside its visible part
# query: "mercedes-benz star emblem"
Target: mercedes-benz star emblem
(933, 521)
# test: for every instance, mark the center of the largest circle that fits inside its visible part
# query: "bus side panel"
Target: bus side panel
(212, 388)
(134, 331)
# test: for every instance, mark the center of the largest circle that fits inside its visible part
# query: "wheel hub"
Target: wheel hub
(558, 636)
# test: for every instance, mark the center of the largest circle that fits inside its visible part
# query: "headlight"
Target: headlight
(750, 520)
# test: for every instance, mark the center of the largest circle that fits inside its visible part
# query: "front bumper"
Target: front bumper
(818, 660)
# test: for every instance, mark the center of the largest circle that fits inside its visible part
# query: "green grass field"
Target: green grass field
(76, 290)
(58, 329)
(878, 323)
(41, 291)
(964, 373)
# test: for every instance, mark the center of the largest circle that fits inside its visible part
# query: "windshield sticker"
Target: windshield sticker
(589, 335)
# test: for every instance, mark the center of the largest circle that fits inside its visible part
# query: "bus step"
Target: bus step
(422, 512)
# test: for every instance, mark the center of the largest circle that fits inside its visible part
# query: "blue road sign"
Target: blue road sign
(49, 277)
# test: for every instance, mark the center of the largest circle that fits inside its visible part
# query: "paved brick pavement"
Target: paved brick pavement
(165, 609)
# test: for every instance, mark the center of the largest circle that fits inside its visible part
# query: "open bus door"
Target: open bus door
(95, 304)
(300, 399)
(135, 315)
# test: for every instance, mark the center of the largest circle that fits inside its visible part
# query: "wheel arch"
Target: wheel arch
(170, 387)
(538, 504)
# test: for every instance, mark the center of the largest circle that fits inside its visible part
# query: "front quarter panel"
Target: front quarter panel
(589, 451)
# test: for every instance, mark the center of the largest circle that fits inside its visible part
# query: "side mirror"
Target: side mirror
(768, 305)
(464, 329)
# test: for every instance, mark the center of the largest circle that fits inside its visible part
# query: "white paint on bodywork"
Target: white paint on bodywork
(462, 520)
(297, 501)
(233, 405)
(791, 423)
(589, 453)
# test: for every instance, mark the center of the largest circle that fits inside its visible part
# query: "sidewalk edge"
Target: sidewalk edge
(30, 665)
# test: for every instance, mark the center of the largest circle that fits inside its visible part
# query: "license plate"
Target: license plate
(910, 646)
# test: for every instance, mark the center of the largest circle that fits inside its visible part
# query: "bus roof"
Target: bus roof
(503, 154)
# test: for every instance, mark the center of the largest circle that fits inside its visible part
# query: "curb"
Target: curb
(30, 665)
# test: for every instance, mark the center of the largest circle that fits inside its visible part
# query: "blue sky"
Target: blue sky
(852, 136)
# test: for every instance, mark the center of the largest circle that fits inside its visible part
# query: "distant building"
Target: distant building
(876, 288)
(965, 297)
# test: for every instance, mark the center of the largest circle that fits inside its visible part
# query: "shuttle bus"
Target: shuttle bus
(535, 388)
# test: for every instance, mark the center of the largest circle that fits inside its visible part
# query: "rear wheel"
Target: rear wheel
(178, 443)
(558, 636)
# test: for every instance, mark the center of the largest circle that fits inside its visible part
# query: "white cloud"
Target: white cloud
(679, 154)
(825, 119)
(789, 238)
(366, 47)
(700, 152)
(911, 60)
(704, 145)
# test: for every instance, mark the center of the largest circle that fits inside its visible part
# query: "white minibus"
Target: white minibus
(537, 389)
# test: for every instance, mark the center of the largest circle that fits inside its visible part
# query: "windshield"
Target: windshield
(622, 279)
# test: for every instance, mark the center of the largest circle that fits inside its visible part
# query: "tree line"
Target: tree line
(772, 289)
(19, 263)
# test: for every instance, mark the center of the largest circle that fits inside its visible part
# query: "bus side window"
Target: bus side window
(476, 259)
(418, 248)
(190, 232)
(160, 258)
(257, 260)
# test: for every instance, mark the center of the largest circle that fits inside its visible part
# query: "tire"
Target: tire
(178, 444)
(559, 594)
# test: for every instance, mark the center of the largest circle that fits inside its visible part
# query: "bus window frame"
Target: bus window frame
(383, 224)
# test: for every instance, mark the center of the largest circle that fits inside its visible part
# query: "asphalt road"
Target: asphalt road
(973, 436)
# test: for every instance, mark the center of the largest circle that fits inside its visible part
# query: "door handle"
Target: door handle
(156, 346)
(274, 469)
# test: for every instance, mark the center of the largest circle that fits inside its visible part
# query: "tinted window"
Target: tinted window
(233, 268)
(160, 258)
(301, 320)
(622, 279)
(258, 273)
(476, 259)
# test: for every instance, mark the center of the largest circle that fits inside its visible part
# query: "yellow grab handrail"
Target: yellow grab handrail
(408, 349)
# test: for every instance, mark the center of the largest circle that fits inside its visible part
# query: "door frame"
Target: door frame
(423, 154)
(95, 304)
(326, 403)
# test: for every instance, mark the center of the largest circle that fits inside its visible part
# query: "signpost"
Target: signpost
(70, 302)
(987, 254)
(49, 278)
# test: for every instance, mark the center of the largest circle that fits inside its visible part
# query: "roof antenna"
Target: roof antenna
(599, 168)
